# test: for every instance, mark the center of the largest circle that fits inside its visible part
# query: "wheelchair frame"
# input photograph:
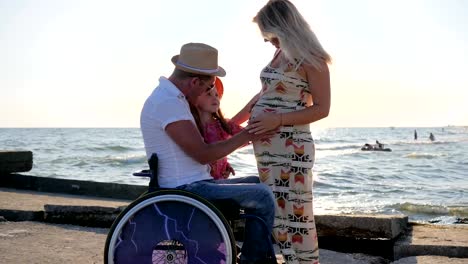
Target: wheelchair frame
(179, 238)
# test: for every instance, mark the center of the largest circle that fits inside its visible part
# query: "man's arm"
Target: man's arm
(186, 135)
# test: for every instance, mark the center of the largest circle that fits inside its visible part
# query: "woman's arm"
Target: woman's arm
(244, 114)
(319, 87)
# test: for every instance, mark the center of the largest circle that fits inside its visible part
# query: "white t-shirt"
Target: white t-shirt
(164, 106)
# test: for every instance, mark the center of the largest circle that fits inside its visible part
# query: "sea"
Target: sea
(426, 180)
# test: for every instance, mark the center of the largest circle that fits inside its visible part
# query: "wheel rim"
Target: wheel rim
(183, 226)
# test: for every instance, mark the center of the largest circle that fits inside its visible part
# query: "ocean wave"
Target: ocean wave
(111, 148)
(432, 209)
(123, 160)
(330, 140)
(63, 160)
(428, 142)
(323, 184)
(416, 155)
(338, 147)
(80, 164)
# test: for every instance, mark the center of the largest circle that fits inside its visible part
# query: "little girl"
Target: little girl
(214, 127)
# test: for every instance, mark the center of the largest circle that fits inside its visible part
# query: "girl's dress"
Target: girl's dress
(214, 132)
(285, 162)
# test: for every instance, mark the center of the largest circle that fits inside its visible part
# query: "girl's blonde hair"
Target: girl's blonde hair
(281, 19)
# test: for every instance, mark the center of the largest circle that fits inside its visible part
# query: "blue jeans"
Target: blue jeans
(256, 198)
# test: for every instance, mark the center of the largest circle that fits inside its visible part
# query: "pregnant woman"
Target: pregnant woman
(295, 92)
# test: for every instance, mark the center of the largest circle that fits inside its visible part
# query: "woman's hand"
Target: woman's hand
(264, 122)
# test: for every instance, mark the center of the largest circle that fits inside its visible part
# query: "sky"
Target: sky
(93, 63)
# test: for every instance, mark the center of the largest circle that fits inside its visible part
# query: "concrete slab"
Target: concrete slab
(21, 215)
(77, 187)
(333, 257)
(34, 201)
(368, 234)
(438, 240)
(361, 226)
(93, 216)
(435, 240)
(431, 260)
(32, 242)
(15, 161)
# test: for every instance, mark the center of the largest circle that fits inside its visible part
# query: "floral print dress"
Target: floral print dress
(285, 162)
(214, 132)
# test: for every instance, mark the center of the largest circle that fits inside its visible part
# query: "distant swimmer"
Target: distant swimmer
(379, 145)
(415, 135)
(431, 137)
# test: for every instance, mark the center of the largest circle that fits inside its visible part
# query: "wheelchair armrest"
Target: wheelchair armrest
(152, 173)
(142, 173)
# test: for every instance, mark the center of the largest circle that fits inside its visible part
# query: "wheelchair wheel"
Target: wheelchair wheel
(170, 227)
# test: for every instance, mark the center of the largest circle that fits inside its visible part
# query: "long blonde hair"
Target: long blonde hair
(281, 19)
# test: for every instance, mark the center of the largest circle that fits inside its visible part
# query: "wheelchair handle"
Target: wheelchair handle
(153, 165)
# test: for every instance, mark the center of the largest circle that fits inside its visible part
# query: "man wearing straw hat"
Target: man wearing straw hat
(169, 130)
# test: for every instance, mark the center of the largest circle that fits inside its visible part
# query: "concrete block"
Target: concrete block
(361, 226)
(77, 187)
(369, 234)
(437, 240)
(93, 216)
(15, 161)
(21, 215)
(334, 257)
(431, 260)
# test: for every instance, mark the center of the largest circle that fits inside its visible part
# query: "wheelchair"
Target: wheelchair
(171, 226)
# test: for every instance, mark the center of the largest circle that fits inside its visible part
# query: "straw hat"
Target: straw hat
(219, 87)
(198, 58)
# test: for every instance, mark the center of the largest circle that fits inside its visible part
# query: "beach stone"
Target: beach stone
(15, 161)
(361, 226)
(437, 240)
(92, 216)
